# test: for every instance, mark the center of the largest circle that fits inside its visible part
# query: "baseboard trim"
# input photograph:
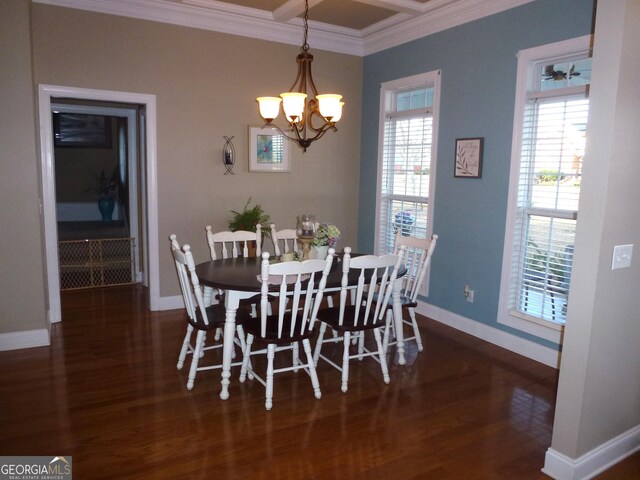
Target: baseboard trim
(25, 339)
(601, 458)
(169, 303)
(518, 345)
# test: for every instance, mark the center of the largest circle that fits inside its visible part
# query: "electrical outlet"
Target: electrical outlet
(468, 293)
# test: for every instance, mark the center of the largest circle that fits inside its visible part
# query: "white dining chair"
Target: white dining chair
(301, 284)
(284, 241)
(233, 244)
(227, 244)
(417, 259)
(364, 313)
(199, 317)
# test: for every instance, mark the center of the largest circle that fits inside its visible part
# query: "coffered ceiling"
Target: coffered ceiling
(356, 27)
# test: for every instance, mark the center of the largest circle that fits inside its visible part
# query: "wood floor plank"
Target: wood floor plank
(107, 393)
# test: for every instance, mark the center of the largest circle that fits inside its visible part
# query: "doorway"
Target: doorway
(143, 119)
(97, 174)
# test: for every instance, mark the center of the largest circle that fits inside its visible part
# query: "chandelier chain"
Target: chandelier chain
(305, 44)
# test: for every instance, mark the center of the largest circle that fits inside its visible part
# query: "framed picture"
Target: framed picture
(81, 130)
(468, 157)
(268, 150)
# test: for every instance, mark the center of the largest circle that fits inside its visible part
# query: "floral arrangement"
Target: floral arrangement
(326, 234)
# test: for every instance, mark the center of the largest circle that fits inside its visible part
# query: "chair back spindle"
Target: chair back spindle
(284, 241)
(417, 261)
(233, 244)
(382, 272)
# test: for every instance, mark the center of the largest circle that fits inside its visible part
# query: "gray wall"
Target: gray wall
(206, 84)
(22, 298)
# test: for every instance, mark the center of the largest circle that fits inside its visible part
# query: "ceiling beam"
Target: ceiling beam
(291, 9)
(401, 6)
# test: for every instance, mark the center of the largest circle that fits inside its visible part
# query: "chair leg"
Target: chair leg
(271, 352)
(360, 346)
(245, 358)
(296, 356)
(194, 359)
(185, 347)
(312, 369)
(203, 343)
(387, 330)
(382, 355)
(316, 352)
(345, 362)
(416, 330)
(218, 334)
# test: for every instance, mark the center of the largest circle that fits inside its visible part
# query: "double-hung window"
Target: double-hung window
(548, 149)
(406, 163)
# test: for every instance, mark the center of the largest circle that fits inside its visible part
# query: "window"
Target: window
(406, 170)
(549, 138)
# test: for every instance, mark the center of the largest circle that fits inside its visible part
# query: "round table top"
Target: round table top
(242, 274)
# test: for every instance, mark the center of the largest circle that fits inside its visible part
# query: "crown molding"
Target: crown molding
(438, 16)
(223, 17)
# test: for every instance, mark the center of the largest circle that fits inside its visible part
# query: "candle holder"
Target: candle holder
(306, 230)
(228, 156)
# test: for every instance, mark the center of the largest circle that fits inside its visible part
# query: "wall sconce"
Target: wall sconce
(228, 156)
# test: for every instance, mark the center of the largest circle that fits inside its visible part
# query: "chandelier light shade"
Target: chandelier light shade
(309, 115)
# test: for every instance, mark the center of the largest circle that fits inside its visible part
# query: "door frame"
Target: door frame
(133, 160)
(46, 96)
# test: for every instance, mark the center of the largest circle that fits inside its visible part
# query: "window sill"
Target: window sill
(546, 329)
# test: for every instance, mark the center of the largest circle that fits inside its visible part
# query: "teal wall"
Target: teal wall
(478, 74)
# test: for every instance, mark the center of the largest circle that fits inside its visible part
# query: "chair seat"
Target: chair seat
(331, 316)
(271, 335)
(216, 316)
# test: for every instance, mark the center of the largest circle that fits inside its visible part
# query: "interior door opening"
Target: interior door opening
(49, 95)
(98, 176)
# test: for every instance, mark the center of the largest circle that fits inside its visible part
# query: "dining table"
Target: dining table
(239, 278)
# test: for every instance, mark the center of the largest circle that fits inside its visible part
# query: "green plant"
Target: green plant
(549, 176)
(248, 218)
(106, 186)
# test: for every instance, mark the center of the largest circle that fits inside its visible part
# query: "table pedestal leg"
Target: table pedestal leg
(397, 318)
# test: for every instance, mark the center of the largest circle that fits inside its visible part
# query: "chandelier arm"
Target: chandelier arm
(282, 132)
(326, 124)
(304, 142)
(311, 82)
(299, 76)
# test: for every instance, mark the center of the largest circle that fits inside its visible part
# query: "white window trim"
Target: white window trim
(390, 86)
(545, 329)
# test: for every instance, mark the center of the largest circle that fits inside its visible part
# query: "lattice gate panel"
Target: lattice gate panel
(96, 263)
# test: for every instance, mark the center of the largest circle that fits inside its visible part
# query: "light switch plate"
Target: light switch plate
(621, 256)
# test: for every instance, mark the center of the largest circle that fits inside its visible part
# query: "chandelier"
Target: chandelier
(309, 117)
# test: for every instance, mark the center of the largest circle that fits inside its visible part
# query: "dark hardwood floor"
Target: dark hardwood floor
(107, 393)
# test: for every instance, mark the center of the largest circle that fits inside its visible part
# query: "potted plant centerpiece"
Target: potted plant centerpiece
(248, 218)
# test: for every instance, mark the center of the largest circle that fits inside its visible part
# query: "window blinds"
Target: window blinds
(405, 175)
(547, 203)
